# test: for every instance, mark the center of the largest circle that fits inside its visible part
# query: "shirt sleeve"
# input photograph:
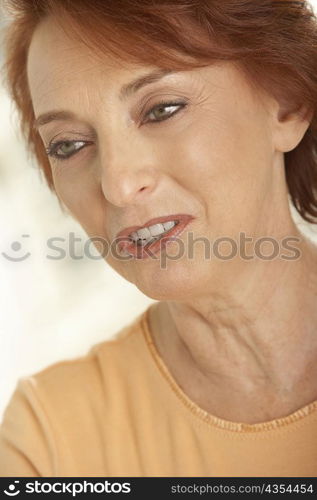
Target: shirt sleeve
(26, 440)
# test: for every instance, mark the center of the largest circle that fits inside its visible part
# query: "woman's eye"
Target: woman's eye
(163, 111)
(62, 150)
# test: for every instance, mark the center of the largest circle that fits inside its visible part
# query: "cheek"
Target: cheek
(228, 149)
(80, 193)
(67, 188)
(226, 163)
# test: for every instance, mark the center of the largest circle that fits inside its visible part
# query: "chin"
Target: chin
(177, 282)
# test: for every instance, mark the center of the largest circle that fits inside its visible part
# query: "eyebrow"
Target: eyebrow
(125, 91)
(138, 83)
(51, 116)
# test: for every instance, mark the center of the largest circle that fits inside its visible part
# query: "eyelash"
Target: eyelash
(51, 150)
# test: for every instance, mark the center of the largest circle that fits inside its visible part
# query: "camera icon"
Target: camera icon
(12, 490)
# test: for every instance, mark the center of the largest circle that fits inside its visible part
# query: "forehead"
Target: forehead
(64, 72)
(57, 62)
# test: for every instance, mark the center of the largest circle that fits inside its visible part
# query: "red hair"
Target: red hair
(274, 43)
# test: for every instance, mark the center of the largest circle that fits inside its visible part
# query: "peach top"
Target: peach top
(117, 411)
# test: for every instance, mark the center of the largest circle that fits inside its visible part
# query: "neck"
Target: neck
(258, 336)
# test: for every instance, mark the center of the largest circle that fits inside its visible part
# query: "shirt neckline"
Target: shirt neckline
(206, 416)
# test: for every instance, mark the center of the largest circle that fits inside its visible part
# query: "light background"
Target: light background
(51, 309)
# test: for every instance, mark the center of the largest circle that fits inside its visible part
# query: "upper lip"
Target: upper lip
(127, 231)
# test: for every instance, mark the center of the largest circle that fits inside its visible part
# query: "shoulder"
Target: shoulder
(72, 386)
(71, 378)
(53, 409)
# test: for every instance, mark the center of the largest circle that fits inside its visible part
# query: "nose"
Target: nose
(128, 173)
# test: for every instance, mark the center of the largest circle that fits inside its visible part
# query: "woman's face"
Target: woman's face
(209, 154)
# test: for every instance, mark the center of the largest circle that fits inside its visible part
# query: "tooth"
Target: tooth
(168, 225)
(134, 235)
(144, 233)
(156, 229)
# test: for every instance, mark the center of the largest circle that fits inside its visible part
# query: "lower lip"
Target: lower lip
(143, 252)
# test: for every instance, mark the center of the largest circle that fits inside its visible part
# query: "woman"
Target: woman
(195, 121)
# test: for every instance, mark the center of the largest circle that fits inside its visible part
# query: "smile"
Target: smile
(152, 233)
(151, 238)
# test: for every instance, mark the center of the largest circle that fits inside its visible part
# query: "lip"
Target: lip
(140, 252)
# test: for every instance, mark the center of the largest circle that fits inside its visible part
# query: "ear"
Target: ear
(289, 126)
